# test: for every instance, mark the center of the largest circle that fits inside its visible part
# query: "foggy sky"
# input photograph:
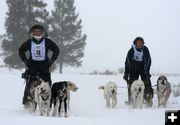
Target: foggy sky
(112, 25)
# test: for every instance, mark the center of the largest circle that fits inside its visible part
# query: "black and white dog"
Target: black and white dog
(31, 85)
(59, 93)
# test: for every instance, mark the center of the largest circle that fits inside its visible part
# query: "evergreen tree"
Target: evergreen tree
(67, 33)
(21, 15)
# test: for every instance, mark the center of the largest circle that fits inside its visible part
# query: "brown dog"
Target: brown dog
(71, 87)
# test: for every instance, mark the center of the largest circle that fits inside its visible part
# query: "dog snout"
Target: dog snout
(113, 91)
(139, 89)
(64, 90)
(163, 82)
(76, 89)
(43, 90)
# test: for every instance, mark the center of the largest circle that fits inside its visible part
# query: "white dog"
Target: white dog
(110, 94)
(137, 93)
(43, 97)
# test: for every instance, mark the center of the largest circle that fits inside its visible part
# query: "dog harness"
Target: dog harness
(44, 96)
(138, 55)
(38, 51)
(166, 87)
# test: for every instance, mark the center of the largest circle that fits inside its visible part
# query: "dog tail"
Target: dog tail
(101, 87)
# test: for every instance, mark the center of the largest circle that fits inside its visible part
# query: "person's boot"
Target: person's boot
(26, 93)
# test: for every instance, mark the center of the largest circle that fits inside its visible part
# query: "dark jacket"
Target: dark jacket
(132, 65)
(49, 45)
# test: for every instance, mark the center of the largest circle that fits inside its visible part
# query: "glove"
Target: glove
(27, 63)
(49, 63)
(148, 74)
(125, 77)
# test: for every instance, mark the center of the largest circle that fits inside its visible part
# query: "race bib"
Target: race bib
(138, 56)
(38, 51)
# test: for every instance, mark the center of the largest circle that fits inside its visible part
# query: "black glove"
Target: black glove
(148, 74)
(27, 63)
(49, 63)
(125, 77)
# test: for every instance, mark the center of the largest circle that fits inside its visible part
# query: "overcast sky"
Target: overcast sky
(112, 25)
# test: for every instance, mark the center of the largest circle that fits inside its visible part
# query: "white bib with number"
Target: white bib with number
(138, 55)
(38, 51)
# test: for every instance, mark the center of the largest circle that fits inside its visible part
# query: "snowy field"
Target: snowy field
(87, 104)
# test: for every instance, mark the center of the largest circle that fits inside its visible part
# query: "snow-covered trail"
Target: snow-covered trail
(87, 104)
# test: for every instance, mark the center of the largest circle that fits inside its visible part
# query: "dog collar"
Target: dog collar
(163, 90)
(44, 97)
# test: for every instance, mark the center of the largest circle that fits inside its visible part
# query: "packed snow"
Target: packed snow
(87, 104)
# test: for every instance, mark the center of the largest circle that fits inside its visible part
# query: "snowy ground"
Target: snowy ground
(87, 104)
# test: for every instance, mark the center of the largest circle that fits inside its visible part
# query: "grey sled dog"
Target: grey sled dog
(163, 91)
(43, 97)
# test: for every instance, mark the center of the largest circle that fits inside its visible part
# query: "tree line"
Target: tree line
(62, 24)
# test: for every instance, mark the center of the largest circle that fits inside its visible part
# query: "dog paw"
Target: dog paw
(65, 115)
(53, 114)
(50, 109)
(59, 114)
(47, 114)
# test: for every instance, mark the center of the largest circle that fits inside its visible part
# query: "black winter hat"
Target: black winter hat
(138, 39)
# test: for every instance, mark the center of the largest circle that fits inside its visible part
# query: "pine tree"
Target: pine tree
(67, 33)
(21, 15)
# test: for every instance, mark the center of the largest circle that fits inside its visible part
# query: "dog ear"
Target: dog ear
(69, 83)
(101, 87)
(38, 82)
(165, 78)
(158, 79)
